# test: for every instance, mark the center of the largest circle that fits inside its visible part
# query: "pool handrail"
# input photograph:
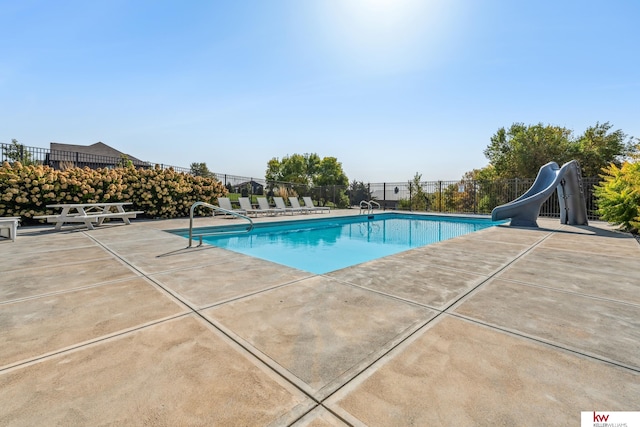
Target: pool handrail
(369, 205)
(215, 208)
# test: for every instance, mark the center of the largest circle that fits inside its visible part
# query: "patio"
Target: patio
(507, 326)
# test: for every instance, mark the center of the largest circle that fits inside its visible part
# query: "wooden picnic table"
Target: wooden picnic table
(88, 213)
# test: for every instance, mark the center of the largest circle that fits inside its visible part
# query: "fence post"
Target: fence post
(439, 196)
(410, 196)
(384, 196)
(475, 196)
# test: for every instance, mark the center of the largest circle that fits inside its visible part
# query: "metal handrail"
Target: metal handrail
(215, 208)
(369, 205)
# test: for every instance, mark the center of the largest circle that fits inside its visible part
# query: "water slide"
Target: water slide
(524, 210)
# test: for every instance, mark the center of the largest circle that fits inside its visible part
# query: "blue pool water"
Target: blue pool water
(323, 245)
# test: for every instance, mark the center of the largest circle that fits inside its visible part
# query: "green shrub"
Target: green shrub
(25, 190)
(618, 196)
(404, 205)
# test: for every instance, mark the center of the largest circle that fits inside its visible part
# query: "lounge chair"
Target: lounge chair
(225, 204)
(309, 203)
(245, 205)
(280, 205)
(264, 205)
(295, 204)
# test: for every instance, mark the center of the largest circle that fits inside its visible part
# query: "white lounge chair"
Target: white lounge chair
(9, 223)
(309, 203)
(295, 204)
(225, 204)
(264, 205)
(245, 205)
(279, 201)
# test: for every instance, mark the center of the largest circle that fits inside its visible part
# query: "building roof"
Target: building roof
(94, 153)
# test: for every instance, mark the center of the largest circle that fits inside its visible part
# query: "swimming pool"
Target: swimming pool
(323, 245)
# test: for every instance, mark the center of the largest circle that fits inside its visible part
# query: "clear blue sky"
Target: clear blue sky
(389, 87)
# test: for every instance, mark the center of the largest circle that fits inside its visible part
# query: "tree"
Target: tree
(329, 172)
(200, 169)
(273, 171)
(520, 151)
(358, 192)
(296, 169)
(418, 195)
(490, 191)
(17, 153)
(597, 148)
(306, 170)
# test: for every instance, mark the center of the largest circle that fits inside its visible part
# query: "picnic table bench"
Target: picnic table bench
(88, 213)
(10, 224)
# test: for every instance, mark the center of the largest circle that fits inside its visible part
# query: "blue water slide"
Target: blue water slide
(524, 210)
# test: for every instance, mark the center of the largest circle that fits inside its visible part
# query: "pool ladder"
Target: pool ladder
(369, 206)
(219, 209)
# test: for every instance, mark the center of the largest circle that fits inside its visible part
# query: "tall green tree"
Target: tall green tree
(518, 152)
(273, 170)
(306, 170)
(329, 172)
(297, 169)
(598, 147)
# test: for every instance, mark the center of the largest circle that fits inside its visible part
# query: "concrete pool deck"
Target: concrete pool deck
(505, 326)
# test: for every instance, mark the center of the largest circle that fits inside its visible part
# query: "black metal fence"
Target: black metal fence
(469, 196)
(59, 159)
(463, 196)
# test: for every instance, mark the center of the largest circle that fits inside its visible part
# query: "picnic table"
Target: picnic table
(10, 224)
(88, 213)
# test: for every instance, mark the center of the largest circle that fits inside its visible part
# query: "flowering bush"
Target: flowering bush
(25, 191)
